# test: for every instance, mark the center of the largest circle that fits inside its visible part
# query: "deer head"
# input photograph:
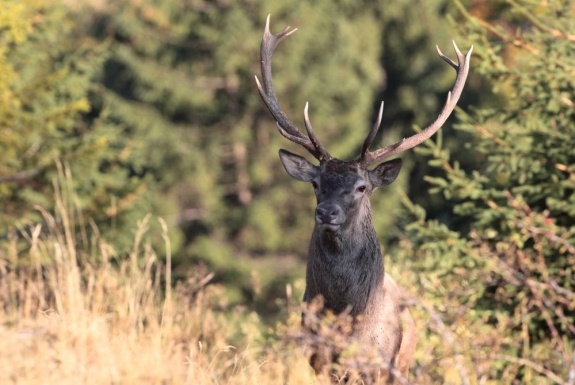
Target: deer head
(342, 185)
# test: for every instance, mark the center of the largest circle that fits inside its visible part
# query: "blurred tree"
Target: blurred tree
(501, 275)
(47, 115)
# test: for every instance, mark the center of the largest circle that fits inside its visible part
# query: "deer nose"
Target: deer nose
(329, 214)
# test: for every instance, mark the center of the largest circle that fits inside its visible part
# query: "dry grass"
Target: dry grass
(74, 313)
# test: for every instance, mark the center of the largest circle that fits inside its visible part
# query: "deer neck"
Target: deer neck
(344, 267)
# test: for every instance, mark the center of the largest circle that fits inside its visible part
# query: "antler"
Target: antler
(462, 67)
(269, 43)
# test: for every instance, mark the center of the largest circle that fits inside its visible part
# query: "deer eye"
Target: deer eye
(361, 188)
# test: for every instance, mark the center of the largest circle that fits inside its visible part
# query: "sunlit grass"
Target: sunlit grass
(75, 311)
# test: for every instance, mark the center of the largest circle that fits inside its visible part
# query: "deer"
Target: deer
(345, 264)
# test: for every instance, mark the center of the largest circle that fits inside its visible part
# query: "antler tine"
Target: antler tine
(372, 134)
(462, 68)
(324, 155)
(269, 43)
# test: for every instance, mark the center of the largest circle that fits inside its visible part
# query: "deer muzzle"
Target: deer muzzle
(329, 215)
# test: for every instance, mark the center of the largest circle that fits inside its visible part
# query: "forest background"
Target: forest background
(148, 233)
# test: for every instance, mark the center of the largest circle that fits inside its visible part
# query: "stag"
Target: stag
(345, 264)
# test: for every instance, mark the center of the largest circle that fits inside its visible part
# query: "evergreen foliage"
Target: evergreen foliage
(47, 116)
(500, 272)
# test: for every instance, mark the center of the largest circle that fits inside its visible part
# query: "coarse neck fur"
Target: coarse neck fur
(345, 266)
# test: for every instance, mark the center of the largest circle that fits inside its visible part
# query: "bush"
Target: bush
(495, 278)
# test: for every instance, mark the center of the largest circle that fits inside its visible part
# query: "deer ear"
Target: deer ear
(385, 173)
(298, 167)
